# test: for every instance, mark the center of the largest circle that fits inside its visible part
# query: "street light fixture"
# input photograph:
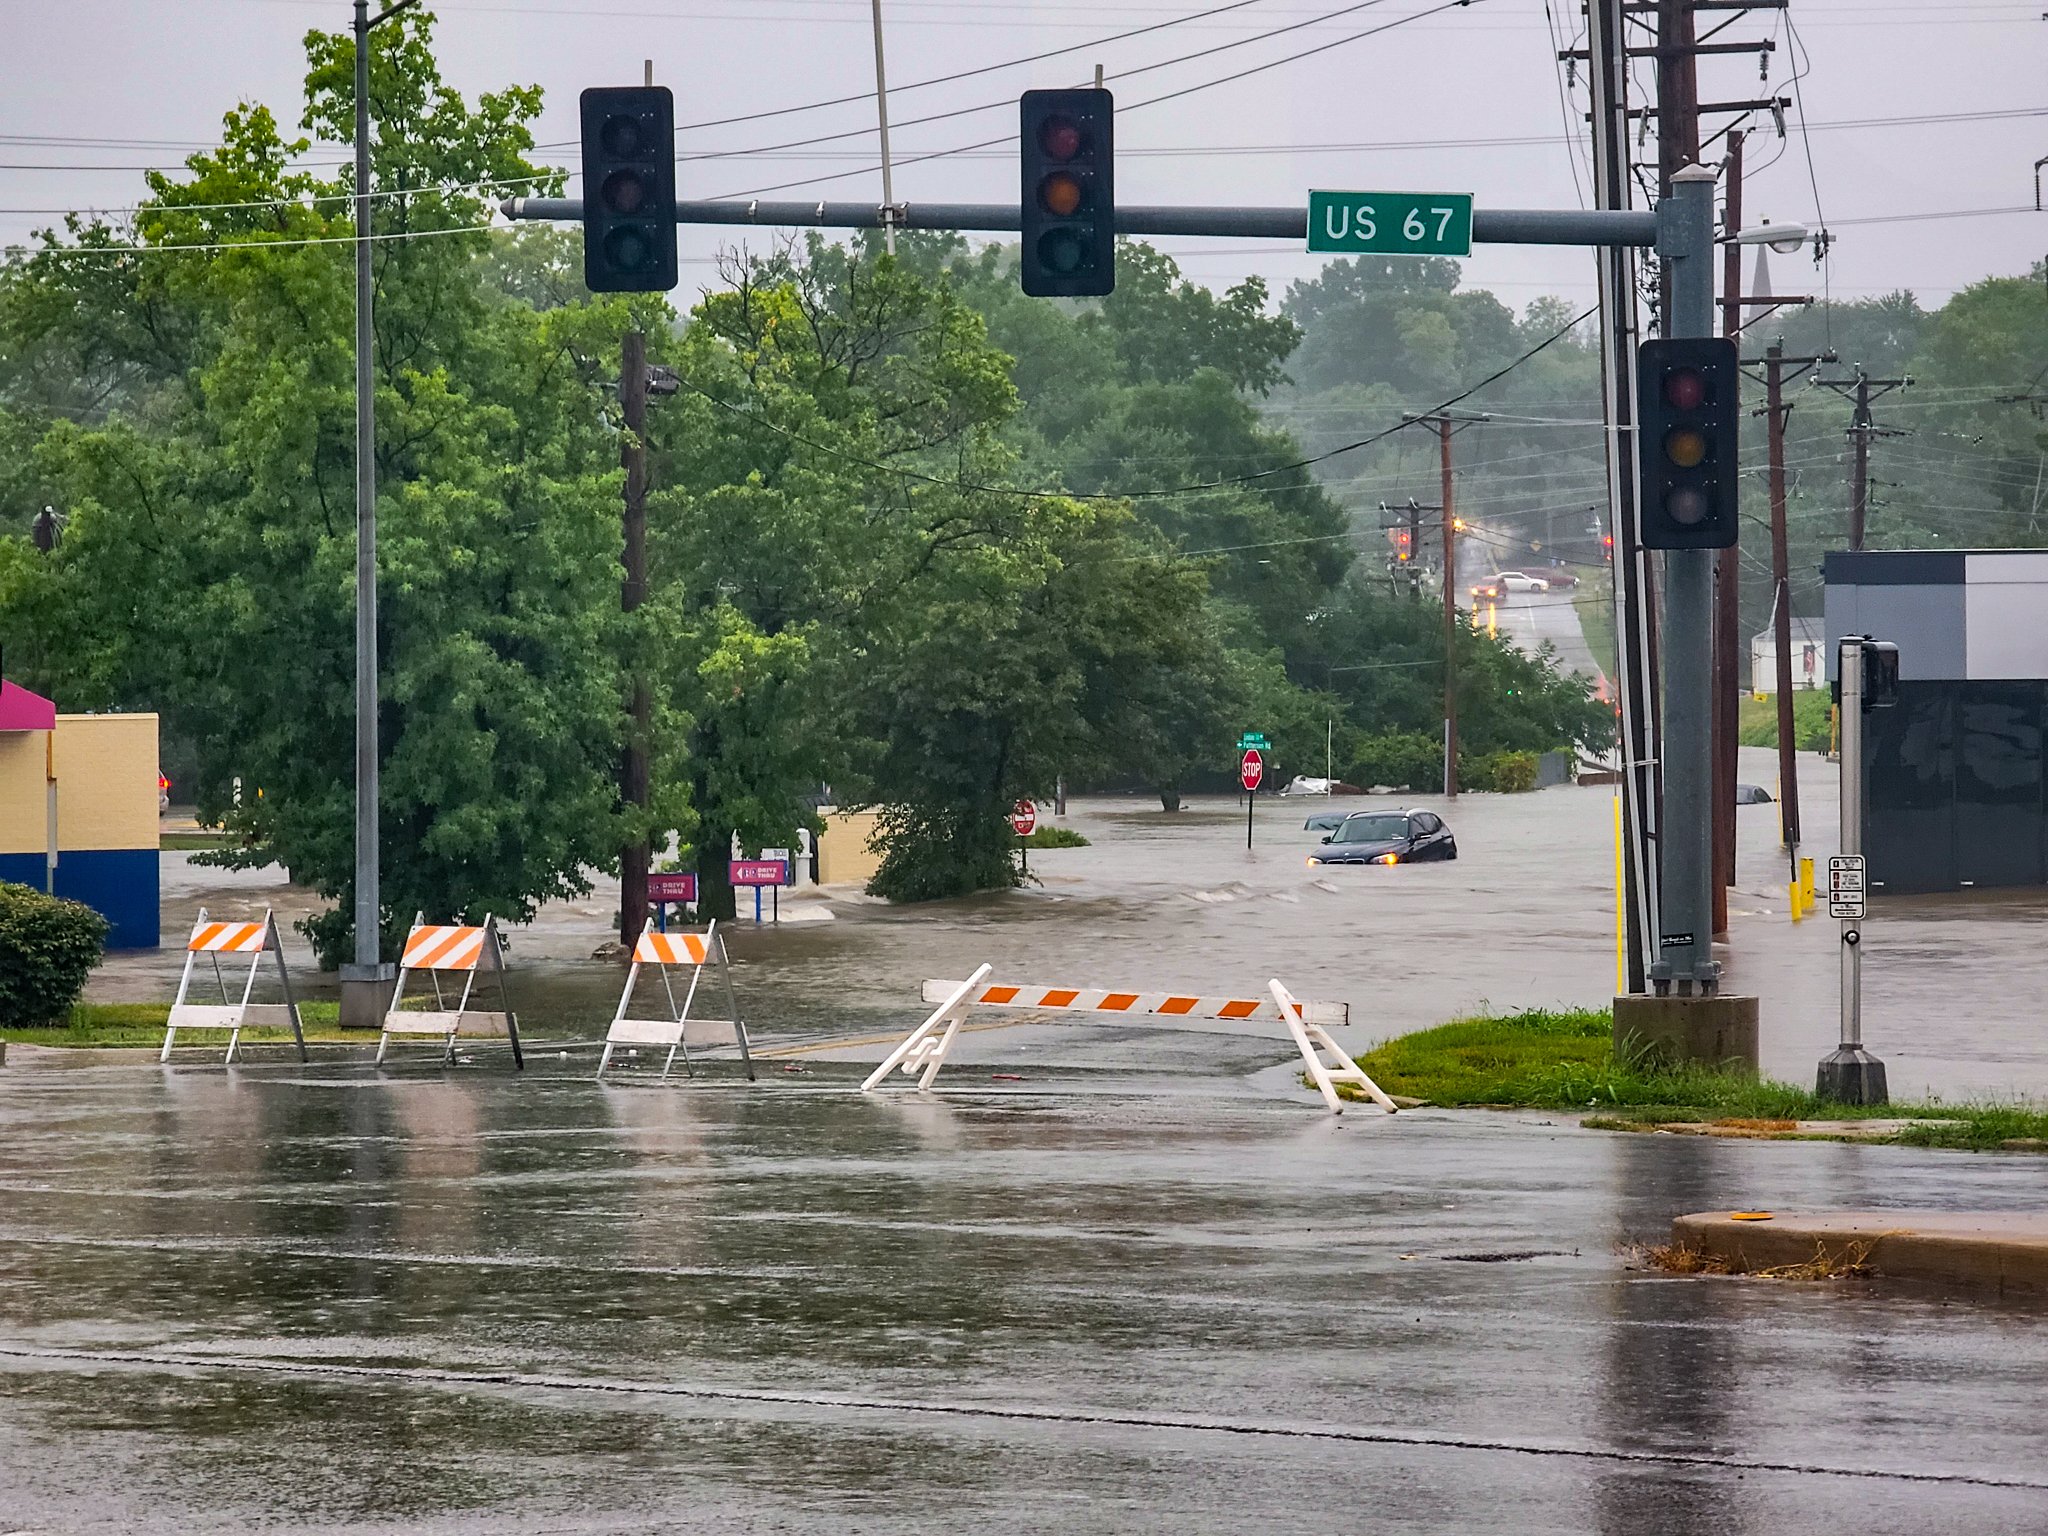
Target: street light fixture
(44, 528)
(363, 983)
(1782, 238)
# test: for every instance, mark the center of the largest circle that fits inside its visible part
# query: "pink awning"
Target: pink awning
(21, 710)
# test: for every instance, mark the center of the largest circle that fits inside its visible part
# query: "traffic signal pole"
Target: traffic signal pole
(635, 780)
(1685, 960)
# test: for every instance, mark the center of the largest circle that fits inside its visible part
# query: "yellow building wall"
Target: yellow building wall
(844, 857)
(106, 784)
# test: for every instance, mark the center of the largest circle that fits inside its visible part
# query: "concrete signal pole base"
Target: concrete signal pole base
(366, 994)
(1713, 1030)
(1851, 1075)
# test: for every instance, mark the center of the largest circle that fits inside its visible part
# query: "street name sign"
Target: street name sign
(1252, 739)
(1845, 886)
(1391, 223)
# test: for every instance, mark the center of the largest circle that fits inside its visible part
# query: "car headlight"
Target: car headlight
(1388, 858)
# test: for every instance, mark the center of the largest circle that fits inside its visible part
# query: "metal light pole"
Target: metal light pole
(1850, 1074)
(882, 115)
(363, 983)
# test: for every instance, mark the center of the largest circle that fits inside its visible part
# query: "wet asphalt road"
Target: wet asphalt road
(326, 1300)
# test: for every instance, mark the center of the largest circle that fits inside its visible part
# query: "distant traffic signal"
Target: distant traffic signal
(1069, 194)
(1686, 400)
(629, 189)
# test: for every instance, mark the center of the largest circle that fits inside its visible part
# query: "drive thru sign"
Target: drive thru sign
(1252, 769)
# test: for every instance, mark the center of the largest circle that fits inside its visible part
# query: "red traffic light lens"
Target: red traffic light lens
(1061, 138)
(623, 138)
(1685, 447)
(624, 192)
(1685, 389)
(1686, 506)
(1061, 195)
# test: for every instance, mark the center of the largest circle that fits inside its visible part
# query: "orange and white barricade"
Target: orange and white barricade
(435, 948)
(926, 1047)
(668, 952)
(213, 940)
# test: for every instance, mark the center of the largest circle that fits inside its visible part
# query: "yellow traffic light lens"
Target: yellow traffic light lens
(624, 192)
(1685, 389)
(1060, 194)
(1685, 447)
(1061, 138)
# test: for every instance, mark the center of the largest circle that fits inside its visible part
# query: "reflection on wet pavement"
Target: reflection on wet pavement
(314, 1300)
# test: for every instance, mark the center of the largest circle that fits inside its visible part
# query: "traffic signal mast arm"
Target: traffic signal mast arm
(1490, 226)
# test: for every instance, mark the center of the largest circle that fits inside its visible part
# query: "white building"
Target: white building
(1809, 658)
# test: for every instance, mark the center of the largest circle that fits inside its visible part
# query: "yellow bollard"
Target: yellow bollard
(1806, 881)
(1798, 900)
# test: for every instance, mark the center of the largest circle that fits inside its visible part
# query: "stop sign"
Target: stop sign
(1024, 817)
(1252, 769)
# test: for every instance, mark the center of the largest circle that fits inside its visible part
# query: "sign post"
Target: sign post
(1251, 769)
(1391, 223)
(1850, 1074)
(1024, 821)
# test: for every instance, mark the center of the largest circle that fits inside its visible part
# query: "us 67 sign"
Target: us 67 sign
(1391, 223)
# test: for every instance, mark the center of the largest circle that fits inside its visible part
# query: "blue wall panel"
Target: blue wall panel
(119, 883)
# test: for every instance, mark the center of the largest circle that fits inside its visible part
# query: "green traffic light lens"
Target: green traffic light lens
(625, 192)
(1686, 506)
(1685, 447)
(628, 249)
(1060, 251)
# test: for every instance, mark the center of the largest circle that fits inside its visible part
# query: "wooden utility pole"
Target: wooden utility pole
(1727, 574)
(1862, 389)
(1443, 438)
(634, 785)
(1775, 412)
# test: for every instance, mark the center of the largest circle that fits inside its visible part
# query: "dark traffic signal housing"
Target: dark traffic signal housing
(629, 189)
(1686, 398)
(1069, 194)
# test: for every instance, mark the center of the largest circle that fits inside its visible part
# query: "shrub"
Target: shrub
(1506, 773)
(47, 949)
(1413, 758)
(1055, 837)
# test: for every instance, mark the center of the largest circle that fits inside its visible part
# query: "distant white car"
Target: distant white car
(1521, 581)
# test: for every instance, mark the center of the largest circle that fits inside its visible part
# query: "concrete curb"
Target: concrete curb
(1998, 1253)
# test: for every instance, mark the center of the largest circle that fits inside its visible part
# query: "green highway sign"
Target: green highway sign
(1391, 223)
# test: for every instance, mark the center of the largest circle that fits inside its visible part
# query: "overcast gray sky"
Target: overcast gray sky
(1467, 100)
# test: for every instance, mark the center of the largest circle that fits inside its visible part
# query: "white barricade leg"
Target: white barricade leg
(682, 1016)
(919, 1049)
(184, 985)
(1313, 1040)
(732, 1001)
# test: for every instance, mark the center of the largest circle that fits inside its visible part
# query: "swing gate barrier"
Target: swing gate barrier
(925, 1049)
(667, 952)
(214, 940)
(435, 948)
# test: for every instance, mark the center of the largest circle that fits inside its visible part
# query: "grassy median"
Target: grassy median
(1566, 1061)
(107, 1025)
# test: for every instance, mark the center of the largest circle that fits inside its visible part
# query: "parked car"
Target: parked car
(1387, 837)
(1326, 821)
(1752, 794)
(1522, 581)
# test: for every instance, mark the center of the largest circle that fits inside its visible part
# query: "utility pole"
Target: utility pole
(1776, 413)
(1727, 570)
(634, 786)
(1445, 423)
(1862, 389)
(363, 983)
(882, 117)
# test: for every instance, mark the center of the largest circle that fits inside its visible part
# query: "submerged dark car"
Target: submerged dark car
(1387, 837)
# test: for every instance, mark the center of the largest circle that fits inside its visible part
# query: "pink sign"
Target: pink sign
(760, 872)
(672, 886)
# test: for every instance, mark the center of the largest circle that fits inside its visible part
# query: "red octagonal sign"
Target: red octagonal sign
(1252, 769)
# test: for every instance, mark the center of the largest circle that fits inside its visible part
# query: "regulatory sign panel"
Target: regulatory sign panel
(1252, 769)
(1024, 818)
(1391, 223)
(1845, 886)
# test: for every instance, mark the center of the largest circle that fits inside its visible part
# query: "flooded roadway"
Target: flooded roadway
(319, 1301)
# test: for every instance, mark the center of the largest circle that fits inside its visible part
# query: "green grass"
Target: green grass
(1594, 598)
(133, 1024)
(1055, 837)
(1756, 720)
(1566, 1061)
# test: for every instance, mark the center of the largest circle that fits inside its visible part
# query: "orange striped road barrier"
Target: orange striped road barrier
(669, 952)
(467, 949)
(925, 1049)
(213, 940)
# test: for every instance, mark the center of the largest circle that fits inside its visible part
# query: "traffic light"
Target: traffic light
(1686, 400)
(1880, 674)
(629, 189)
(1069, 194)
